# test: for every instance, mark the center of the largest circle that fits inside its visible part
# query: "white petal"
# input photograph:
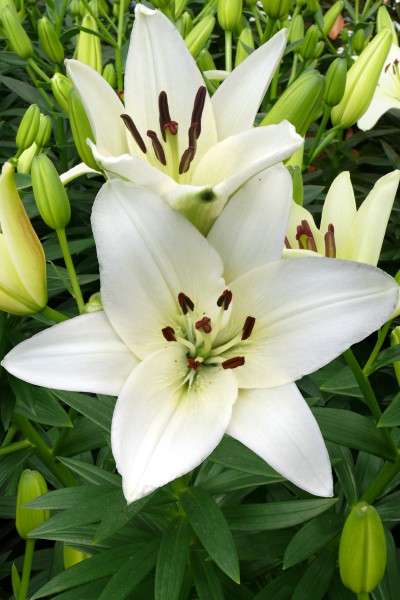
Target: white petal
(102, 106)
(158, 254)
(161, 429)
(82, 354)
(159, 60)
(278, 426)
(339, 210)
(251, 229)
(297, 215)
(380, 104)
(77, 171)
(237, 158)
(237, 100)
(307, 312)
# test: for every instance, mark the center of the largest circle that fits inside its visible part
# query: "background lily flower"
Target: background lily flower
(23, 288)
(387, 94)
(170, 136)
(201, 337)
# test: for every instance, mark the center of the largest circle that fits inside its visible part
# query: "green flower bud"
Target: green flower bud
(309, 46)
(88, 49)
(25, 160)
(50, 42)
(362, 80)
(383, 20)
(331, 15)
(245, 41)
(313, 5)
(296, 31)
(362, 551)
(73, 557)
(161, 3)
(229, 13)
(30, 486)
(81, 129)
(358, 41)
(50, 195)
(345, 35)
(94, 304)
(44, 132)
(299, 103)
(109, 74)
(277, 9)
(199, 35)
(74, 8)
(319, 49)
(16, 35)
(186, 24)
(61, 87)
(179, 7)
(394, 341)
(205, 62)
(298, 190)
(335, 82)
(28, 127)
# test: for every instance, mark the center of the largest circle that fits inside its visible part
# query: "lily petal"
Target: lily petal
(254, 238)
(380, 104)
(161, 429)
(297, 215)
(278, 426)
(339, 209)
(75, 172)
(237, 100)
(81, 354)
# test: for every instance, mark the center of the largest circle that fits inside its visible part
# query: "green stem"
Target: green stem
(381, 338)
(15, 447)
(274, 84)
(41, 91)
(356, 11)
(382, 480)
(294, 69)
(100, 25)
(228, 51)
(60, 17)
(365, 10)
(53, 315)
(268, 30)
(9, 437)
(363, 596)
(256, 16)
(369, 397)
(62, 238)
(321, 130)
(325, 142)
(43, 451)
(60, 137)
(118, 49)
(38, 70)
(26, 569)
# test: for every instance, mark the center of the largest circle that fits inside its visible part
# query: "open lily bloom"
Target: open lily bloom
(201, 337)
(387, 94)
(170, 136)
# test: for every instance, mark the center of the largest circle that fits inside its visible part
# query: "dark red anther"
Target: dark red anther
(193, 135)
(330, 244)
(198, 108)
(305, 237)
(172, 127)
(193, 364)
(186, 159)
(287, 244)
(185, 303)
(163, 109)
(158, 149)
(205, 324)
(121, 95)
(248, 327)
(387, 67)
(131, 127)
(225, 299)
(168, 333)
(233, 363)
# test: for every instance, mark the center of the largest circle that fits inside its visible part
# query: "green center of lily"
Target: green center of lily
(306, 240)
(200, 338)
(165, 151)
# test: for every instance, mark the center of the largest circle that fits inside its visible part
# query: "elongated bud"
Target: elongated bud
(44, 131)
(394, 341)
(50, 42)
(296, 31)
(25, 160)
(229, 13)
(331, 15)
(88, 49)
(94, 303)
(309, 46)
(185, 24)
(245, 42)
(74, 8)
(383, 20)
(299, 103)
(50, 195)
(335, 82)
(179, 7)
(362, 80)
(362, 551)
(199, 35)
(61, 87)
(16, 35)
(28, 128)
(73, 557)
(109, 74)
(277, 9)
(358, 41)
(81, 129)
(313, 5)
(30, 486)
(205, 62)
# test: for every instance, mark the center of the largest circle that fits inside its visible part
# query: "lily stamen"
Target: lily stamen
(133, 130)
(225, 299)
(185, 303)
(248, 327)
(157, 147)
(330, 244)
(305, 237)
(168, 332)
(198, 108)
(233, 363)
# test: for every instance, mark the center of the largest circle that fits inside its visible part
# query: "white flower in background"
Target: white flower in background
(170, 136)
(201, 337)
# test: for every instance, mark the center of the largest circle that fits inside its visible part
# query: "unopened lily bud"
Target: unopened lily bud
(74, 8)
(309, 46)
(94, 304)
(185, 24)
(50, 195)
(25, 160)
(179, 7)
(245, 41)
(109, 74)
(394, 341)
(88, 49)
(28, 128)
(61, 87)
(31, 485)
(229, 13)
(319, 49)
(205, 62)
(296, 31)
(73, 557)
(299, 103)
(383, 19)
(331, 15)
(335, 82)
(50, 42)
(16, 35)
(313, 5)
(362, 550)
(277, 9)
(362, 80)
(81, 129)
(199, 35)
(358, 41)
(44, 132)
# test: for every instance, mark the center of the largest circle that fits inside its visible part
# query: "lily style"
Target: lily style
(387, 94)
(205, 336)
(170, 136)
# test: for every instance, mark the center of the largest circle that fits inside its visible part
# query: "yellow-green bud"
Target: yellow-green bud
(313, 5)
(362, 80)
(25, 160)
(383, 20)
(331, 15)
(358, 41)
(28, 128)
(161, 3)
(74, 8)
(88, 49)
(362, 550)
(50, 195)
(319, 49)
(179, 7)
(229, 13)
(31, 485)
(73, 557)
(81, 129)
(199, 35)
(394, 341)
(16, 35)
(205, 62)
(51, 44)
(44, 132)
(251, 3)
(299, 103)
(185, 24)
(277, 9)
(335, 82)
(296, 31)
(94, 304)
(245, 41)
(298, 190)
(61, 87)
(109, 74)
(309, 46)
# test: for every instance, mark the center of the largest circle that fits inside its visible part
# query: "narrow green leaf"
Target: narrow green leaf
(343, 383)
(30, 94)
(90, 473)
(85, 435)
(208, 585)
(390, 585)
(117, 515)
(15, 580)
(68, 497)
(391, 416)
(90, 591)
(317, 577)
(99, 411)
(231, 480)
(282, 587)
(344, 468)
(389, 509)
(231, 453)
(38, 404)
(171, 560)
(258, 546)
(386, 357)
(10, 462)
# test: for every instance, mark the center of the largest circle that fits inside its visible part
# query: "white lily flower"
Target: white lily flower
(170, 136)
(387, 94)
(201, 337)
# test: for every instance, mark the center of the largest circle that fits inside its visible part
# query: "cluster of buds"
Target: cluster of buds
(33, 134)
